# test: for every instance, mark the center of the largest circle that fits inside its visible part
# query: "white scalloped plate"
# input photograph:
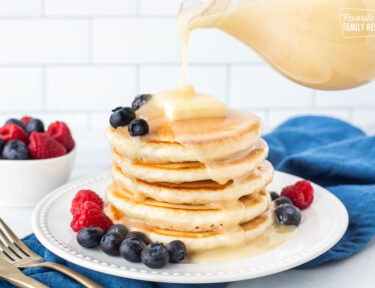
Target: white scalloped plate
(324, 223)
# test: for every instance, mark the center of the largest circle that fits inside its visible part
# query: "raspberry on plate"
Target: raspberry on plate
(25, 120)
(42, 146)
(11, 131)
(301, 194)
(83, 196)
(61, 132)
(90, 215)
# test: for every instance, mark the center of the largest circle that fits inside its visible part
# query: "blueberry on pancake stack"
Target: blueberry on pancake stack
(201, 180)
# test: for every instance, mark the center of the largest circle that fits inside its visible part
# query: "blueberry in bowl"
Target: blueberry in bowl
(32, 156)
(15, 150)
(34, 125)
(17, 122)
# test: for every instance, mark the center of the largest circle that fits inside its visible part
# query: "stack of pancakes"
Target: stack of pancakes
(202, 181)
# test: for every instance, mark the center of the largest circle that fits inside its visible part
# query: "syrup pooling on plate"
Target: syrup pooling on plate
(275, 236)
(237, 245)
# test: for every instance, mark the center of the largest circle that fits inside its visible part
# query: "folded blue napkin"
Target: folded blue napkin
(338, 156)
(324, 150)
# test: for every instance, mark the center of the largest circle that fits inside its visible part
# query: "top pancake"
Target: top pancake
(201, 140)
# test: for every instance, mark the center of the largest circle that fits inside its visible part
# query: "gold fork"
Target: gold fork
(17, 253)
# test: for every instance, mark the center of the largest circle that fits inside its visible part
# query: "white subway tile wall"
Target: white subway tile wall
(74, 60)
(90, 7)
(44, 41)
(20, 7)
(207, 79)
(22, 88)
(89, 88)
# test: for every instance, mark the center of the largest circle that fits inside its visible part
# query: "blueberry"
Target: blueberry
(177, 251)
(283, 200)
(138, 127)
(131, 249)
(155, 256)
(35, 125)
(90, 237)
(138, 235)
(15, 150)
(111, 242)
(287, 214)
(140, 100)
(274, 195)
(118, 228)
(121, 116)
(2, 143)
(16, 121)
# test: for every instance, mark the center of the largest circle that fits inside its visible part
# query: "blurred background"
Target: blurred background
(74, 60)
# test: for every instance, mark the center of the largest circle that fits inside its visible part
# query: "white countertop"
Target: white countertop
(356, 271)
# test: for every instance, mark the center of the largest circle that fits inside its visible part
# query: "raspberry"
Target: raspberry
(90, 215)
(301, 194)
(25, 120)
(11, 131)
(81, 197)
(42, 146)
(60, 131)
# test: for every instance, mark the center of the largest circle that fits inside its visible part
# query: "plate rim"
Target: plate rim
(44, 236)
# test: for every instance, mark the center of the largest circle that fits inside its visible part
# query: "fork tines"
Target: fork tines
(11, 246)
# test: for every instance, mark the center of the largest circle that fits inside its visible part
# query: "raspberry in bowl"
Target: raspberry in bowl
(34, 159)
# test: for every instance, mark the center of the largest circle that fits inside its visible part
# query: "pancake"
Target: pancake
(198, 241)
(185, 141)
(200, 192)
(221, 172)
(191, 218)
(199, 180)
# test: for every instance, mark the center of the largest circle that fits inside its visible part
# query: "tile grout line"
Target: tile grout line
(138, 8)
(123, 64)
(44, 89)
(90, 41)
(84, 16)
(89, 120)
(138, 79)
(229, 78)
(42, 8)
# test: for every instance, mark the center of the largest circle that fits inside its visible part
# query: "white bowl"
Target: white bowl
(24, 182)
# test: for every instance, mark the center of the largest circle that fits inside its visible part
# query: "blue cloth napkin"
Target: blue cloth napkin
(338, 156)
(324, 150)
